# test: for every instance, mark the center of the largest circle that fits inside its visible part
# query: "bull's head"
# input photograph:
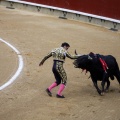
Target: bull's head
(83, 61)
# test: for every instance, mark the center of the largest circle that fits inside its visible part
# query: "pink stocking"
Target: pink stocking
(62, 86)
(52, 86)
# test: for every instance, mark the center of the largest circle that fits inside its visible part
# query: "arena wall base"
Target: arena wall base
(62, 13)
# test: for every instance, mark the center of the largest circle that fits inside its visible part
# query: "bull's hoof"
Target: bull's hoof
(107, 90)
(102, 93)
(99, 91)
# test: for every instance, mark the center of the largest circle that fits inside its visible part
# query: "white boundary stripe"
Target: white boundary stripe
(19, 68)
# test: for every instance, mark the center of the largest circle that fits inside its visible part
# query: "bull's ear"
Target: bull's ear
(90, 58)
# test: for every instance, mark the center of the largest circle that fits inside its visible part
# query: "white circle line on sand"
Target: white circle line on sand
(20, 67)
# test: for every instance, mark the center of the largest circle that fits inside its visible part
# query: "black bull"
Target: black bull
(100, 67)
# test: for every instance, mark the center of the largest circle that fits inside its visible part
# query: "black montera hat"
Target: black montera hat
(65, 44)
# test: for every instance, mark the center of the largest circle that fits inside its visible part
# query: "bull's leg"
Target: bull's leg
(108, 85)
(103, 82)
(103, 90)
(96, 86)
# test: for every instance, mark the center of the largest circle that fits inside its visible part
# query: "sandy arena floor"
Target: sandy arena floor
(34, 35)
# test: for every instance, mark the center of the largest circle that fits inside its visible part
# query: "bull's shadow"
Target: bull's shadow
(101, 68)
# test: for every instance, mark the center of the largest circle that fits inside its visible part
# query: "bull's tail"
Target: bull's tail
(117, 72)
(118, 76)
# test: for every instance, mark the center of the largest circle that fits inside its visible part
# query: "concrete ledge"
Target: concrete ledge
(63, 13)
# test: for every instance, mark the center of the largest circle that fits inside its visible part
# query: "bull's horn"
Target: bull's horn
(76, 52)
(90, 58)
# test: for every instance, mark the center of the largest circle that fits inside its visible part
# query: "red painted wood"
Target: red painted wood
(106, 8)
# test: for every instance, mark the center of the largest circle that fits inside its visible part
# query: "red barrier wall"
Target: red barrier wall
(106, 8)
